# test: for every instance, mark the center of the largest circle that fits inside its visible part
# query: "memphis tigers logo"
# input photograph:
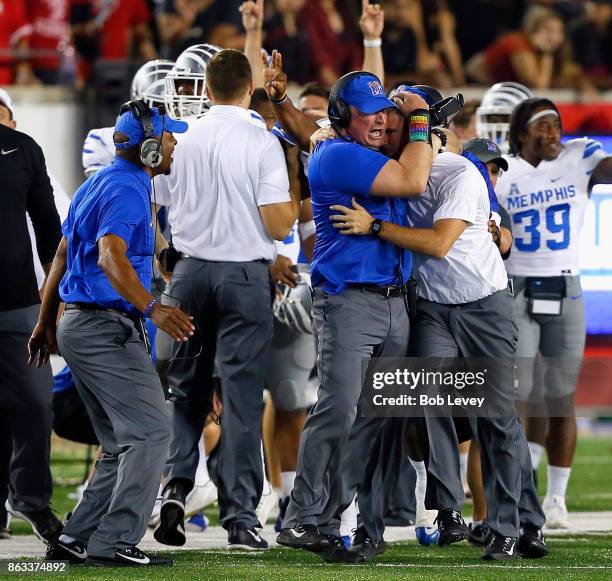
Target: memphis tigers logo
(375, 88)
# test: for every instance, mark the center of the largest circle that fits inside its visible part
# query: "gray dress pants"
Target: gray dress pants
(351, 327)
(483, 328)
(115, 378)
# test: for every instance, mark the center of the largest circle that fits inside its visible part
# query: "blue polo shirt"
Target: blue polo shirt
(113, 201)
(338, 171)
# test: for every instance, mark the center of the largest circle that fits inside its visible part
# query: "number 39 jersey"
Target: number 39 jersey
(547, 205)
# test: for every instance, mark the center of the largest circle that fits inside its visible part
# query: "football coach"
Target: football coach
(102, 271)
(358, 309)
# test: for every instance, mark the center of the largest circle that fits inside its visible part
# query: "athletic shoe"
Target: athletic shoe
(425, 530)
(346, 541)
(305, 537)
(74, 552)
(452, 527)
(478, 534)
(267, 503)
(500, 548)
(556, 512)
(171, 527)
(241, 538)
(335, 551)
(398, 518)
(200, 497)
(130, 557)
(198, 523)
(531, 544)
(363, 548)
(283, 503)
(45, 525)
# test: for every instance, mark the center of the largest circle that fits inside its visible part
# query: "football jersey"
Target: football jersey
(547, 205)
(98, 150)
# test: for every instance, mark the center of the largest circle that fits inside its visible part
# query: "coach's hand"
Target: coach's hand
(408, 102)
(494, 231)
(173, 321)
(43, 343)
(274, 77)
(282, 271)
(352, 221)
(321, 135)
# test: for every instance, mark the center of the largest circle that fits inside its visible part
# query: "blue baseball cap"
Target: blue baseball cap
(129, 125)
(366, 93)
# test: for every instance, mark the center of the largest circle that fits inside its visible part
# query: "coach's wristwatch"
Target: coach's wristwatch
(375, 228)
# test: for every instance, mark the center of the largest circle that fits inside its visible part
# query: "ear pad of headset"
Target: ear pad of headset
(151, 152)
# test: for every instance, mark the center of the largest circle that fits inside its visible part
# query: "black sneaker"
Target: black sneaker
(75, 552)
(335, 551)
(241, 538)
(363, 548)
(531, 544)
(452, 527)
(500, 548)
(305, 537)
(283, 503)
(130, 557)
(478, 534)
(45, 525)
(171, 527)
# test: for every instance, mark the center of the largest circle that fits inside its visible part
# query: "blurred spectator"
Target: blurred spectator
(50, 37)
(334, 40)
(110, 29)
(422, 45)
(183, 23)
(592, 42)
(464, 122)
(285, 31)
(537, 56)
(15, 31)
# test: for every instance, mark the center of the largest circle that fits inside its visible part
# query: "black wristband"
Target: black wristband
(279, 101)
(443, 138)
(375, 228)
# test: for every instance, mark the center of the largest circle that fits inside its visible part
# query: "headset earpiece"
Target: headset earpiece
(151, 151)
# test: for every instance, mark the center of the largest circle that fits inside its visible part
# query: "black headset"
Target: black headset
(151, 150)
(338, 111)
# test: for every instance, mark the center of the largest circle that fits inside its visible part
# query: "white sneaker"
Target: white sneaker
(267, 504)
(154, 519)
(200, 497)
(556, 512)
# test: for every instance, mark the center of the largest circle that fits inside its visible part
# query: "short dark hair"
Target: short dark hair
(228, 74)
(520, 117)
(314, 89)
(258, 97)
(464, 117)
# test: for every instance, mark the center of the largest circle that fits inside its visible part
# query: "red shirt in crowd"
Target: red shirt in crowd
(498, 54)
(50, 31)
(13, 28)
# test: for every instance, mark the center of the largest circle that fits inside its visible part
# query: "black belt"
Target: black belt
(385, 291)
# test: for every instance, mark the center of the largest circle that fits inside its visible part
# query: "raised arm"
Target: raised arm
(252, 20)
(372, 22)
(291, 119)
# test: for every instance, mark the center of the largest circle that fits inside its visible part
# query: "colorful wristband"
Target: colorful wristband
(418, 128)
(147, 312)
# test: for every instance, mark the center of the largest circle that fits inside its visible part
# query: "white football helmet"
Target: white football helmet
(293, 308)
(189, 72)
(493, 115)
(149, 82)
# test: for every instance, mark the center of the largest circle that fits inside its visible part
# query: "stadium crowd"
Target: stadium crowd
(539, 43)
(244, 241)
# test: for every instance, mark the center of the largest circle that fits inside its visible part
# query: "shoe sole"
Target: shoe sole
(534, 553)
(451, 538)
(93, 562)
(499, 557)
(237, 547)
(171, 515)
(295, 544)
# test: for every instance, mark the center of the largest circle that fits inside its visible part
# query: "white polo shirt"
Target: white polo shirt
(225, 166)
(473, 268)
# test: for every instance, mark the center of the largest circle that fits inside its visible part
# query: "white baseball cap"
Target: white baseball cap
(5, 99)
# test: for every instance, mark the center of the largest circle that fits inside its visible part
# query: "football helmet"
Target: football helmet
(493, 114)
(293, 307)
(149, 83)
(186, 82)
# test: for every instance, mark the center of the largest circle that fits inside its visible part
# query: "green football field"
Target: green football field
(572, 557)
